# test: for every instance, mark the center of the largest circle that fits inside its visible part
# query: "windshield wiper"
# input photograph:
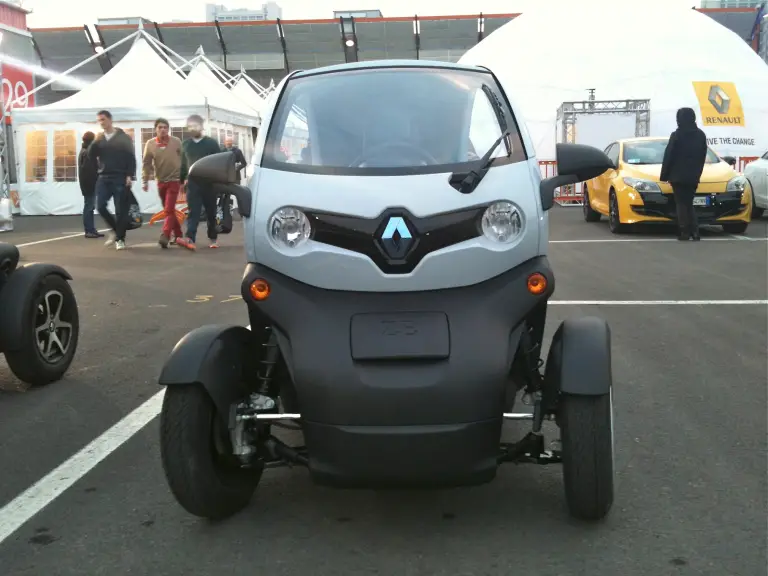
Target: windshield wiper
(466, 182)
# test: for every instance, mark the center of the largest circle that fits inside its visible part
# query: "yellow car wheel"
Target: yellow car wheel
(590, 215)
(614, 218)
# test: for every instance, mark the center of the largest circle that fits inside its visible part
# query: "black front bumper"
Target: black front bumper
(718, 206)
(431, 419)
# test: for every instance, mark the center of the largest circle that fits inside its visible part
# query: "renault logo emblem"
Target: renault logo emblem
(396, 240)
(719, 99)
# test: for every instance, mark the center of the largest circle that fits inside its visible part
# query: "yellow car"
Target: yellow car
(632, 193)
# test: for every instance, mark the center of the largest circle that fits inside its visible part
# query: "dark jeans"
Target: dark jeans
(89, 203)
(113, 188)
(687, 222)
(197, 198)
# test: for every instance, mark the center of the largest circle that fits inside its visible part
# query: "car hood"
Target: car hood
(713, 173)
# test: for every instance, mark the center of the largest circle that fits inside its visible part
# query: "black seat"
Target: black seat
(9, 258)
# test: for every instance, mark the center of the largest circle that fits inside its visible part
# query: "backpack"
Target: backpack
(135, 219)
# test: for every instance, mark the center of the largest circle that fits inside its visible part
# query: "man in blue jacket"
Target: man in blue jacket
(113, 150)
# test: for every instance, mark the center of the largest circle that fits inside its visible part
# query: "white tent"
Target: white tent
(202, 78)
(246, 92)
(674, 57)
(138, 89)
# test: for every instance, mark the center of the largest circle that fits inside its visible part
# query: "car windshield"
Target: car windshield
(652, 152)
(390, 121)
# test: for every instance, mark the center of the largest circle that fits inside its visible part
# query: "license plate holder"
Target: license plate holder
(400, 336)
(701, 200)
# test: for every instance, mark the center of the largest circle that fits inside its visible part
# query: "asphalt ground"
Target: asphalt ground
(690, 408)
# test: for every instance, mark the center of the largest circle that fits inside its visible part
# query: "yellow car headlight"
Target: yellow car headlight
(642, 185)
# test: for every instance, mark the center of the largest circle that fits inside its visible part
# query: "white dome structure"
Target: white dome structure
(672, 56)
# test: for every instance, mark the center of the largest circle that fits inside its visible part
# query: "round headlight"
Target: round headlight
(502, 222)
(289, 227)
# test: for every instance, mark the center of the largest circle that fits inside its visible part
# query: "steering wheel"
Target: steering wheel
(368, 158)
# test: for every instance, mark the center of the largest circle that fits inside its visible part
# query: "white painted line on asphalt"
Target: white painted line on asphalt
(617, 240)
(30, 502)
(55, 239)
(658, 302)
(25, 506)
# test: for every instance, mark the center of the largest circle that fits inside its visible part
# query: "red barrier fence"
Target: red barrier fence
(572, 195)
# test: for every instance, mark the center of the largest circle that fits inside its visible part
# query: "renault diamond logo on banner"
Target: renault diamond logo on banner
(720, 104)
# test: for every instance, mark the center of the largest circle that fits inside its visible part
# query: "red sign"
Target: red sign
(17, 84)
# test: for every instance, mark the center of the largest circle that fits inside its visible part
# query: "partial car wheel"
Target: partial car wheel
(757, 213)
(590, 215)
(50, 334)
(614, 219)
(202, 473)
(586, 424)
(736, 227)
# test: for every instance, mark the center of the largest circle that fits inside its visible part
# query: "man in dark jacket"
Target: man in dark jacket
(240, 162)
(683, 165)
(88, 174)
(199, 195)
(114, 152)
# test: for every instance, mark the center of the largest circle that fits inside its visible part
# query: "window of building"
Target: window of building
(180, 133)
(37, 156)
(146, 135)
(215, 134)
(64, 156)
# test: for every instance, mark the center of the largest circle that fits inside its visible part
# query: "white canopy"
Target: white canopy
(673, 56)
(247, 93)
(202, 78)
(142, 86)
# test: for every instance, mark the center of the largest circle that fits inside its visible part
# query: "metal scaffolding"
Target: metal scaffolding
(568, 114)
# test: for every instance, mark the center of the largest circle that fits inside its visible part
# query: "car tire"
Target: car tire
(586, 424)
(590, 215)
(50, 334)
(757, 213)
(735, 227)
(205, 482)
(614, 218)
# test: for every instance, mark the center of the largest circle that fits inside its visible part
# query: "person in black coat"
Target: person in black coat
(88, 174)
(683, 165)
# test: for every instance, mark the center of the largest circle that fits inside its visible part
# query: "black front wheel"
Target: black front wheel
(590, 214)
(614, 217)
(735, 227)
(50, 334)
(203, 475)
(586, 424)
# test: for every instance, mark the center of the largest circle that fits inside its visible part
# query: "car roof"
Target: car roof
(643, 139)
(369, 65)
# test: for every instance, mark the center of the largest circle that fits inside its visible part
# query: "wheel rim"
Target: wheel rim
(614, 211)
(53, 327)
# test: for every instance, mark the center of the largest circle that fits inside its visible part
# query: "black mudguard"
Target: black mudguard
(15, 299)
(579, 360)
(220, 358)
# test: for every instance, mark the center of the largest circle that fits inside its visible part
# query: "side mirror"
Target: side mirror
(215, 169)
(218, 171)
(575, 163)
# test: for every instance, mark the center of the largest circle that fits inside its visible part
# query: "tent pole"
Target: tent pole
(162, 46)
(83, 63)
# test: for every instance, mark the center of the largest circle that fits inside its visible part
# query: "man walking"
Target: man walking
(240, 162)
(683, 165)
(198, 195)
(162, 162)
(88, 173)
(113, 150)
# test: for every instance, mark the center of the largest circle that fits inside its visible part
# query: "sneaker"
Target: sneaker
(213, 244)
(111, 238)
(94, 235)
(120, 244)
(163, 241)
(186, 243)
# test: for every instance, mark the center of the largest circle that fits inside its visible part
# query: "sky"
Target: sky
(61, 13)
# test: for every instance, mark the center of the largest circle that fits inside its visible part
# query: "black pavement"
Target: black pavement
(690, 398)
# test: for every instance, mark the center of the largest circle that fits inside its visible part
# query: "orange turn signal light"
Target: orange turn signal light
(260, 289)
(537, 283)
